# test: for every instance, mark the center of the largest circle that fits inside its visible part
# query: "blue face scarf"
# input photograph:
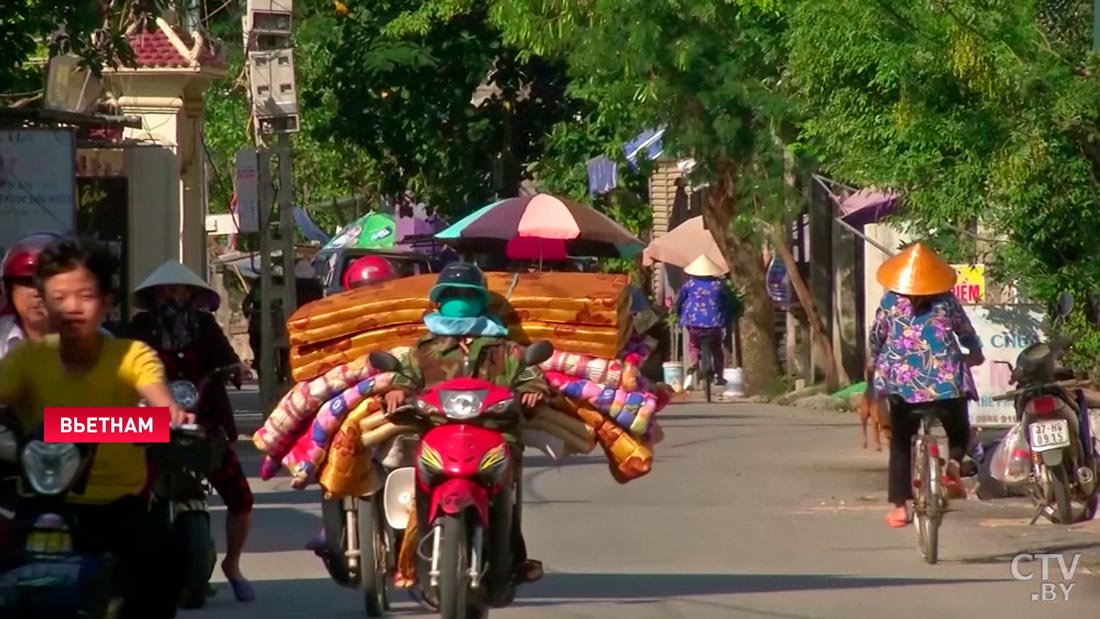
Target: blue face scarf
(461, 307)
(463, 317)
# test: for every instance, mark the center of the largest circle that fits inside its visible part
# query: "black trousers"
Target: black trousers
(953, 414)
(141, 546)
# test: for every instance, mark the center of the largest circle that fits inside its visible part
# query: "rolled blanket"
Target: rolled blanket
(632, 410)
(603, 371)
(383, 433)
(331, 416)
(349, 467)
(563, 419)
(293, 413)
(628, 458)
(302, 462)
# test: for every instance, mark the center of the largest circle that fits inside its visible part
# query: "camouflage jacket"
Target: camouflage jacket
(436, 358)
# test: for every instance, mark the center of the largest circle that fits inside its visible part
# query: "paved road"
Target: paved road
(751, 511)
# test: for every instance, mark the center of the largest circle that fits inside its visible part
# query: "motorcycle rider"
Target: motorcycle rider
(365, 271)
(464, 340)
(916, 360)
(177, 322)
(83, 368)
(27, 319)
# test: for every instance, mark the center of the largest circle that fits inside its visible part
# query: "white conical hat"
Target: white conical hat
(704, 267)
(172, 273)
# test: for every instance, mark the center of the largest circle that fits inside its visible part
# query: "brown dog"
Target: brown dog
(873, 408)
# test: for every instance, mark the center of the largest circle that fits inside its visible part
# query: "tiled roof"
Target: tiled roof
(153, 49)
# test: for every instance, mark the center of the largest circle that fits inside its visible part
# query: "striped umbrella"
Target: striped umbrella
(551, 219)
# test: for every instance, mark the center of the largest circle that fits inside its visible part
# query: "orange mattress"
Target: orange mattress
(589, 299)
(307, 362)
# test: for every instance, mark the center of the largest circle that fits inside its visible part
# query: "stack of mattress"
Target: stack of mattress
(577, 312)
(326, 428)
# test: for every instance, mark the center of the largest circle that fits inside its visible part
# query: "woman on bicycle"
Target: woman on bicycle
(916, 361)
(705, 307)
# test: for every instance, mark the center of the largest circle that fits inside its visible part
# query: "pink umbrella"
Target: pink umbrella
(683, 244)
(536, 248)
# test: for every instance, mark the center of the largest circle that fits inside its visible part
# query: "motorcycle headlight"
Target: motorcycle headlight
(185, 394)
(51, 468)
(500, 407)
(462, 405)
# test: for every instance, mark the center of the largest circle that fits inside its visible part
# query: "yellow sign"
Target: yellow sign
(970, 287)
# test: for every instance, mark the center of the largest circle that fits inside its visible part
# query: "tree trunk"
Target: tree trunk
(757, 324)
(817, 328)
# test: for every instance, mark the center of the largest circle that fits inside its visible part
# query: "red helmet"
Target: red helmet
(22, 258)
(369, 270)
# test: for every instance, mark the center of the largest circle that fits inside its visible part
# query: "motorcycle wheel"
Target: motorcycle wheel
(192, 530)
(372, 557)
(1059, 487)
(454, 565)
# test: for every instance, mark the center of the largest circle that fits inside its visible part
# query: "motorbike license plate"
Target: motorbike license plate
(1046, 435)
(49, 542)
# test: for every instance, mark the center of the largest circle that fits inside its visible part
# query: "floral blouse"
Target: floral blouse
(919, 357)
(704, 303)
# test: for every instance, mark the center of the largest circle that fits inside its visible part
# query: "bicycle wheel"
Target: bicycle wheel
(930, 491)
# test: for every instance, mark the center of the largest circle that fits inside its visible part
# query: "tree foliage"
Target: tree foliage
(403, 76)
(326, 168)
(977, 111)
(92, 29)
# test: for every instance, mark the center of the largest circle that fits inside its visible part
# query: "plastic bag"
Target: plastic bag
(1011, 460)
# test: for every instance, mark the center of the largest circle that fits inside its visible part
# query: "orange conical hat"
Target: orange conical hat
(917, 271)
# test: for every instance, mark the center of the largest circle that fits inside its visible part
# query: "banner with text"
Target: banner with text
(970, 287)
(1005, 331)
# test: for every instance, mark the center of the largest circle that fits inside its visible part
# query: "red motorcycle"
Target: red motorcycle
(467, 490)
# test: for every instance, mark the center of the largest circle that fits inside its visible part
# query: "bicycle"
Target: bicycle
(930, 499)
(706, 362)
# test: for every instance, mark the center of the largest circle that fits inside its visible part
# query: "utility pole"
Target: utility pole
(273, 98)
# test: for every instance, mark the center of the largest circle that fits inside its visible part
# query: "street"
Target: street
(750, 511)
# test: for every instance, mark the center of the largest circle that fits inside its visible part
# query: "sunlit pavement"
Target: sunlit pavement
(750, 511)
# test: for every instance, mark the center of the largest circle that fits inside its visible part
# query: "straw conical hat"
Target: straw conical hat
(172, 273)
(917, 271)
(704, 267)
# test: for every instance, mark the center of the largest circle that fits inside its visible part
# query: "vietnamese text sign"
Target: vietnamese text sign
(37, 183)
(246, 182)
(970, 287)
(1005, 331)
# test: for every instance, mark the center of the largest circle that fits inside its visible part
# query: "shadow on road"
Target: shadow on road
(650, 587)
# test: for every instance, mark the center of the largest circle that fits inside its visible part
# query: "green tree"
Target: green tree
(978, 112)
(326, 167)
(710, 70)
(33, 30)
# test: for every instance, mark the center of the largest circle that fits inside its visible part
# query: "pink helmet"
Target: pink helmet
(369, 270)
(21, 259)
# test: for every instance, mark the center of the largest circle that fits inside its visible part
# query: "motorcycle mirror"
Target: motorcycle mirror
(384, 361)
(1065, 305)
(537, 353)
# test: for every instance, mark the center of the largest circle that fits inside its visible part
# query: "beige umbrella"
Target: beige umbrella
(683, 244)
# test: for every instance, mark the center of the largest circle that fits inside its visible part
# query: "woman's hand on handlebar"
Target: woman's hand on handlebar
(530, 399)
(394, 400)
(179, 416)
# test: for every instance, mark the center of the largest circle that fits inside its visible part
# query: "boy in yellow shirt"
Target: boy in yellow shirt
(81, 367)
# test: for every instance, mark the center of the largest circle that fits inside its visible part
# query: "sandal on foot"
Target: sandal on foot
(897, 518)
(242, 589)
(529, 571)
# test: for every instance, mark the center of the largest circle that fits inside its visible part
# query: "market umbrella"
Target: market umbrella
(585, 231)
(867, 206)
(371, 231)
(683, 244)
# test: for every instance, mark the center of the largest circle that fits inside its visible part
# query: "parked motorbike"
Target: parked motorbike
(180, 489)
(467, 490)
(53, 569)
(1056, 431)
